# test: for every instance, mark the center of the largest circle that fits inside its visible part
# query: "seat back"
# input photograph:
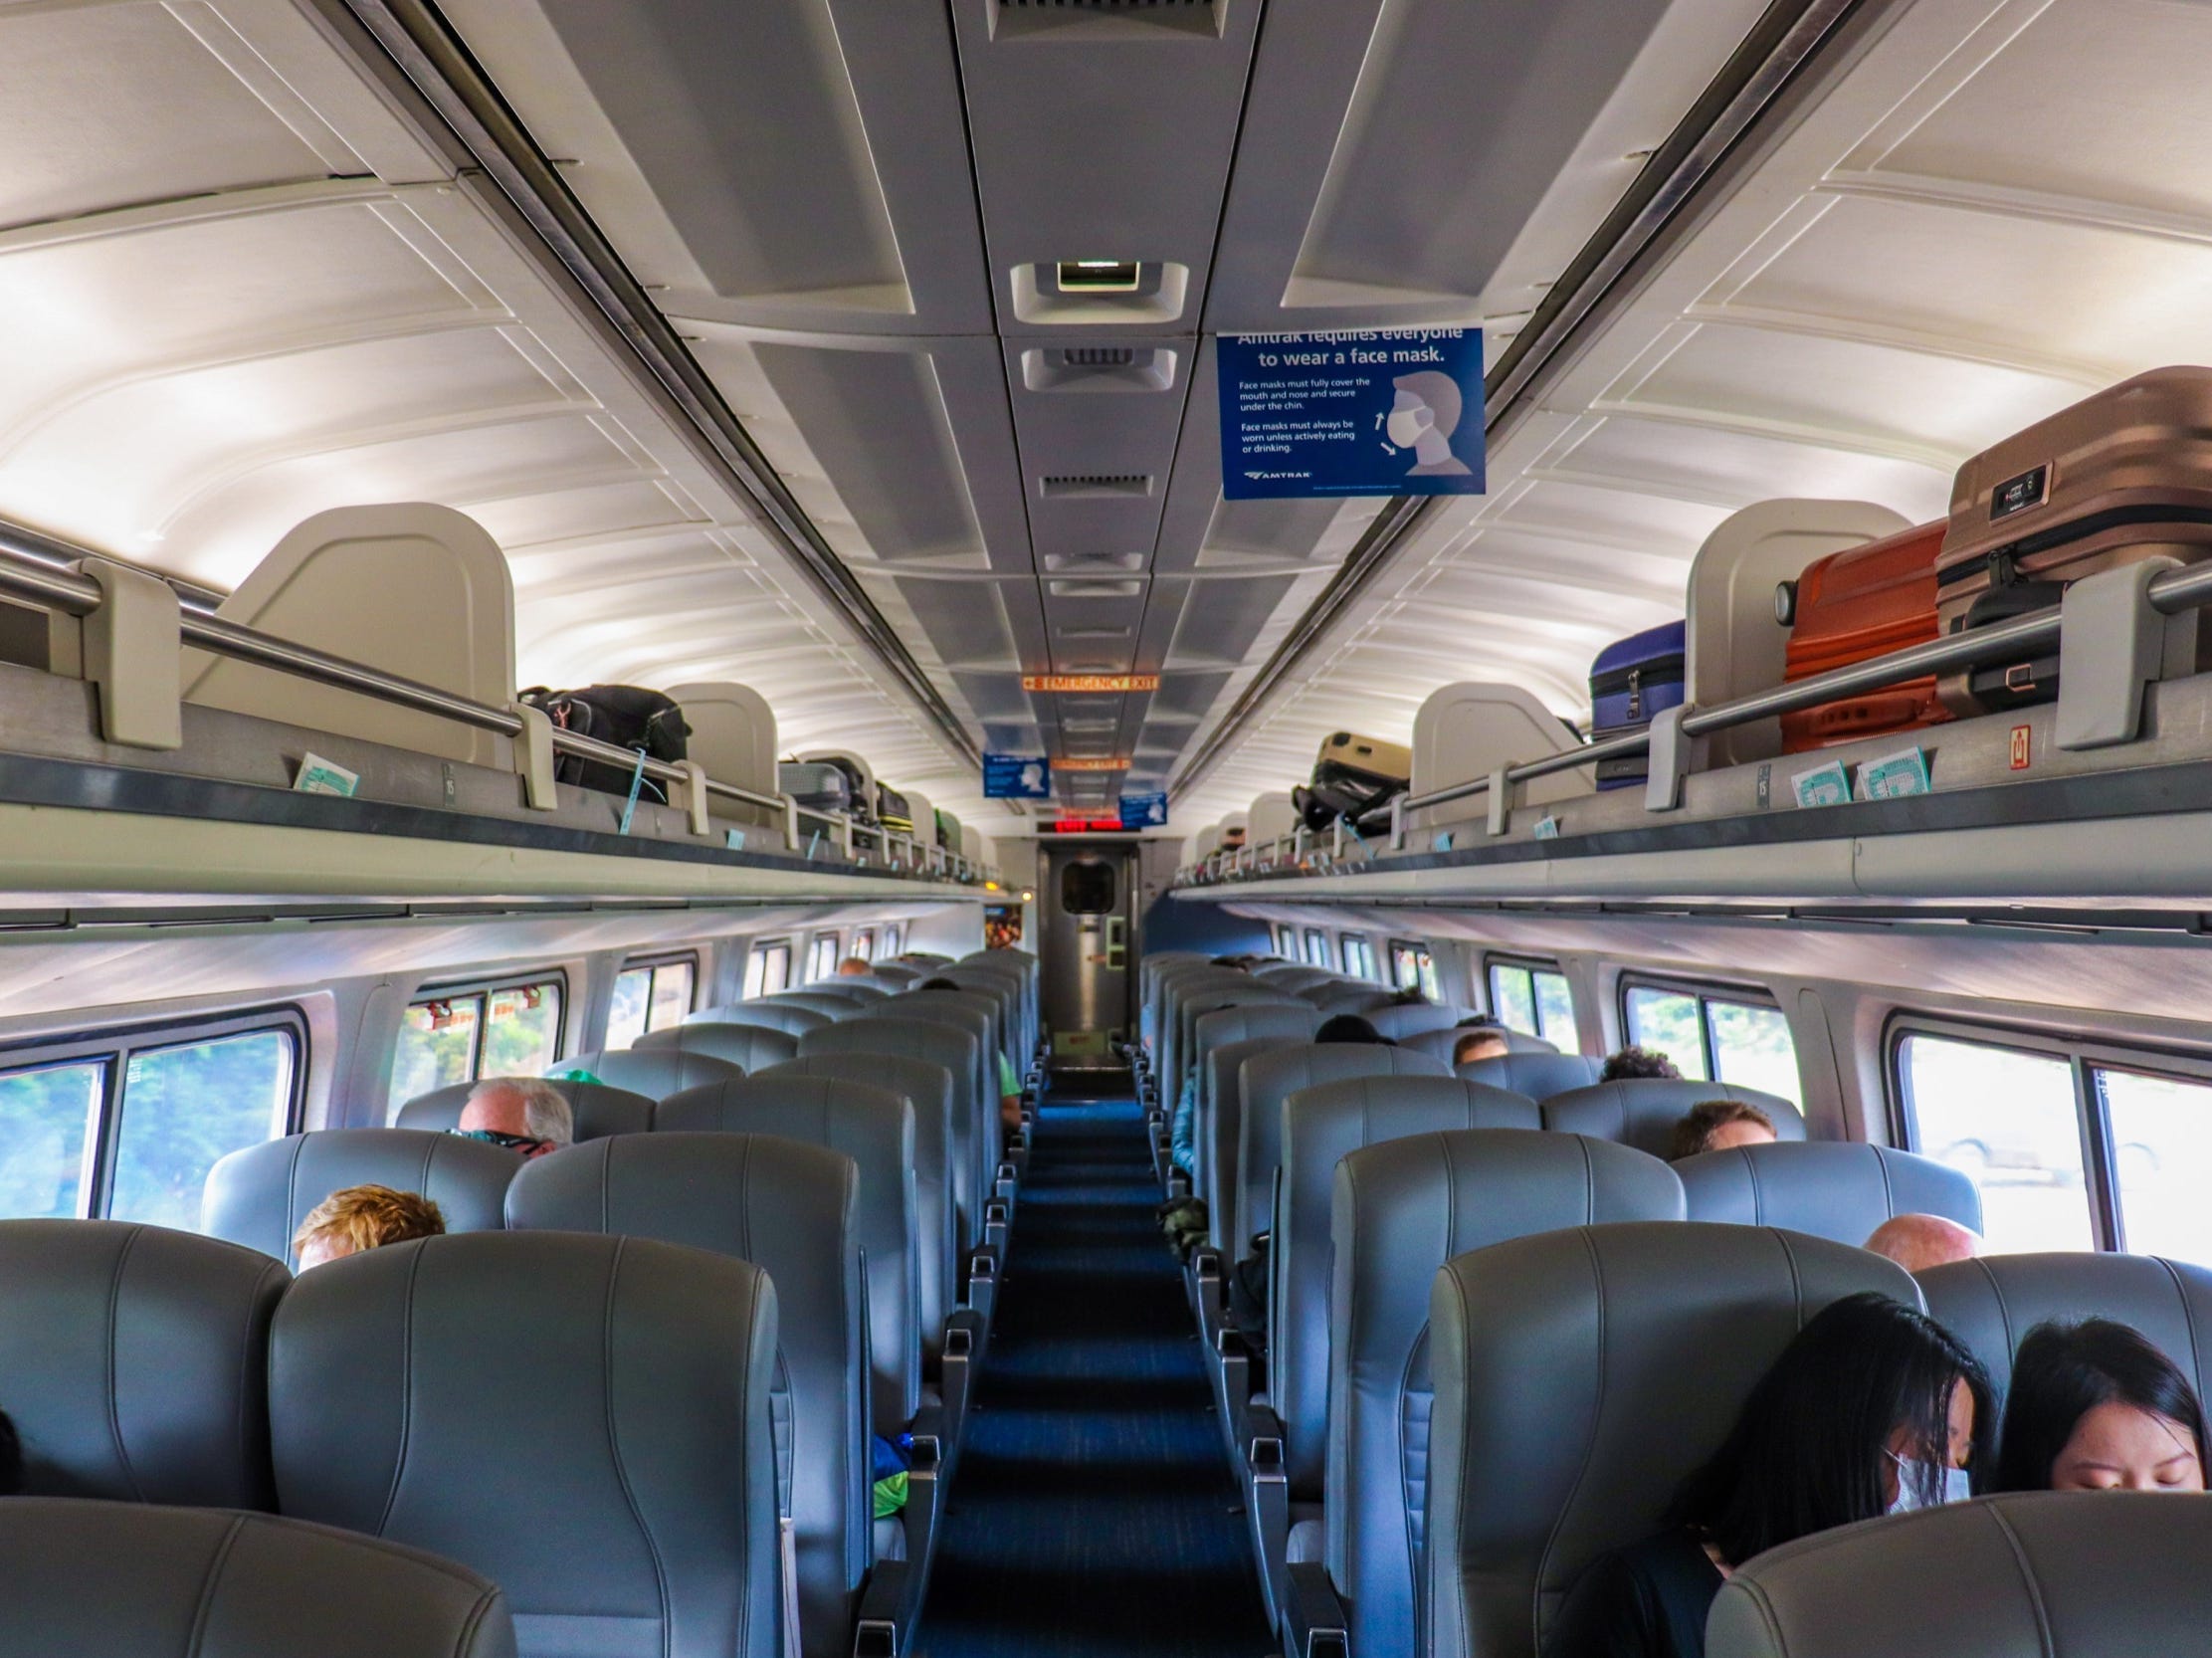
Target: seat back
(1205, 989)
(134, 1361)
(2087, 1573)
(1321, 1126)
(1580, 1376)
(1267, 1079)
(1202, 1004)
(772, 1014)
(1218, 1112)
(98, 1579)
(1399, 1020)
(1153, 1018)
(1010, 988)
(1220, 1135)
(1329, 989)
(829, 1006)
(257, 1197)
(955, 1049)
(875, 1128)
(976, 1004)
(1539, 1076)
(655, 1073)
(1441, 1043)
(597, 1108)
(1642, 1112)
(1991, 1303)
(1398, 1212)
(1358, 999)
(1829, 1188)
(927, 1089)
(896, 975)
(584, 1421)
(749, 1046)
(791, 1210)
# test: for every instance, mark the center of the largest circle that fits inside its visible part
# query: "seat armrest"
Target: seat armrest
(998, 1217)
(883, 1624)
(926, 1469)
(1314, 1622)
(1268, 1494)
(964, 1336)
(983, 1283)
(1206, 1289)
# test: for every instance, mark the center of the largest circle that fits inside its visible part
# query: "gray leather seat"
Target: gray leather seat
(1398, 1212)
(1539, 1076)
(792, 1210)
(655, 1073)
(134, 1361)
(1265, 1080)
(842, 987)
(749, 1046)
(1830, 1189)
(866, 990)
(774, 1015)
(1358, 1001)
(897, 974)
(1219, 1125)
(1991, 1303)
(1204, 1003)
(927, 1089)
(1442, 1042)
(584, 1421)
(2086, 1573)
(1006, 985)
(977, 1004)
(257, 1197)
(830, 1007)
(85, 1580)
(1221, 1135)
(1643, 1111)
(1015, 969)
(598, 1110)
(1580, 1376)
(955, 1049)
(1208, 987)
(1329, 989)
(875, 1128)
(1321, 1126)
(1401, 1020)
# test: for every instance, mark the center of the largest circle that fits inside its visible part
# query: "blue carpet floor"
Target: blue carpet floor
(1093, 1512)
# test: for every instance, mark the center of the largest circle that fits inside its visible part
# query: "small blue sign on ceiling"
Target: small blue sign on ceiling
(1017, 777)
(1351, 412)
(1143, 812)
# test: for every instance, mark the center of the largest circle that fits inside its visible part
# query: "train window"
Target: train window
(1413, 967)
(1531, 999)
(821, 956)
(1714, 1037)
(1087, 888)
(650, 995)
(892, 937)
(128, 1126)
(863, 943)
(188, 1103)
(2160, 1132)
(768, 970)
(457, 1035)
(1316, 948)
(1358, 955)
(2007, 1116)
(1285, 941)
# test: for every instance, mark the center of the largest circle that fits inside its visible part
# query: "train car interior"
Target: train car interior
(1236, 828)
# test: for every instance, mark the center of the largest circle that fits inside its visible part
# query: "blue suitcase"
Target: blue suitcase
(1632, 679)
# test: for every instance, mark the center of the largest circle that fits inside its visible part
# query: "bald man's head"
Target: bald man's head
(1917, 1242)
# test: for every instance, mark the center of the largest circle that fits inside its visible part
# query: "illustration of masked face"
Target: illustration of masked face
(1410, 418)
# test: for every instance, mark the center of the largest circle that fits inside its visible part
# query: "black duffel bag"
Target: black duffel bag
(626, 716)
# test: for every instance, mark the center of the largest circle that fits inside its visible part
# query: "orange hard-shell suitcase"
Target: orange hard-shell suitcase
(1856, 604)
(2118, 477)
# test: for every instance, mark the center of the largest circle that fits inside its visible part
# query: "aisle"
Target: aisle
(1093, 1512)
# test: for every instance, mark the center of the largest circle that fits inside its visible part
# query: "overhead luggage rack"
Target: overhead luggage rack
(31, 571)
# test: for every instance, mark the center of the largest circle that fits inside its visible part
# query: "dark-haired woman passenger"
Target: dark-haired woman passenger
(2096, 1407)
(1873, 1409)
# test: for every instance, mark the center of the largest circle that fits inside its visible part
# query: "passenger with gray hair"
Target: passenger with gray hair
(523, 1114)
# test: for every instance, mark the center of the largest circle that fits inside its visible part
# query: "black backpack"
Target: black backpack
(626, 716)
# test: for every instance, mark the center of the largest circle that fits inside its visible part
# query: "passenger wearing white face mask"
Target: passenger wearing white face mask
(1873, 1409)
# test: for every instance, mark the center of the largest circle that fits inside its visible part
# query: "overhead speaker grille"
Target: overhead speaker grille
(1094, 486)
(1098, 356)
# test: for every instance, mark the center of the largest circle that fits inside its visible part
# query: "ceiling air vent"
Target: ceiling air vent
(1096, 486)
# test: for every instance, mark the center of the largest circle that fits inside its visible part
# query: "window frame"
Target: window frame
(2084, 1055)
(834, 937)
(1347, 944)
(1531, 965)
(650, 965)
(758, 950)
(1286, 942)
(863, 943)
(1306, 937)
(467, 989)
(1425, 977)
(1700, 991)
(115, 1045)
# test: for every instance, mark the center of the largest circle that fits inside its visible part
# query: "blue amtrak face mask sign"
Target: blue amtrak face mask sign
(1351, 412)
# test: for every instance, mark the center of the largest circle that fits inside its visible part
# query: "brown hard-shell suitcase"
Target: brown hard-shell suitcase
(1849, 607)
(2117, 478)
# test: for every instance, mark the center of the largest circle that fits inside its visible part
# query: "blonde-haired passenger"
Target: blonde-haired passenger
(356, 1218)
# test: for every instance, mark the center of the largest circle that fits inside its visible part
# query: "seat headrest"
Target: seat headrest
(155, 1582)
(1399, 1020)
(1539, 1076)
(1242, 1023)
(584, 1421)
(1580, 1376)
(749, 1046)
(1991, 1303)
(772, 1015)
(134, 1361)
(2089, 1573)
(1400, 1209)
(948, 1046)
(1359, 999)
(655, 1073)
(257, 1197)
(1642, 1112)
(1826, 1187)
(598, 1110)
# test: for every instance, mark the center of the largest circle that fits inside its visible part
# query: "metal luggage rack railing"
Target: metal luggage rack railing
(44, 573)
(2107, 629)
